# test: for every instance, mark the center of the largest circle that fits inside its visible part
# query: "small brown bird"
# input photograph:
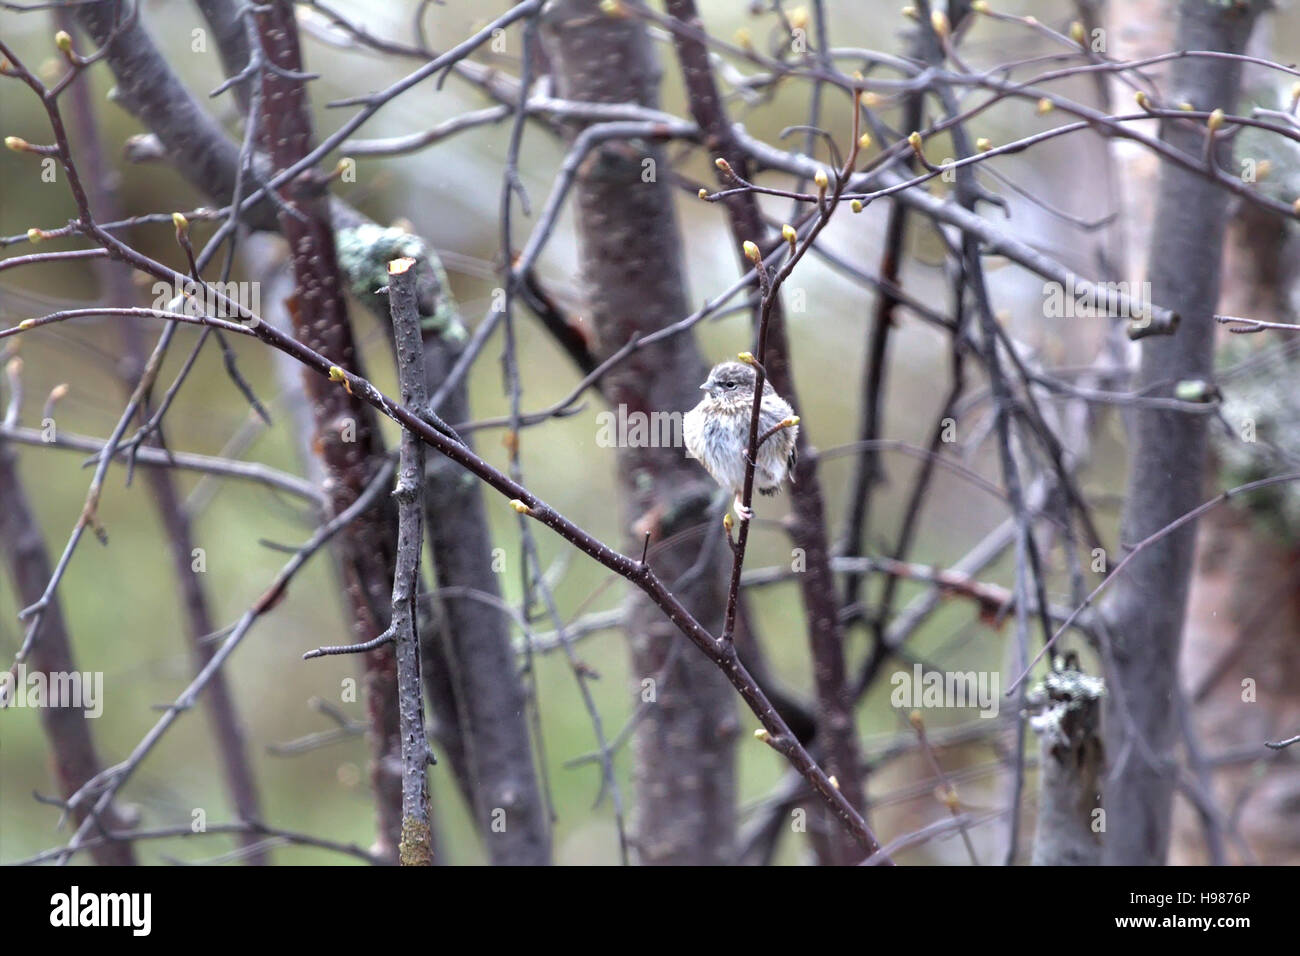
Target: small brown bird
(717, 433)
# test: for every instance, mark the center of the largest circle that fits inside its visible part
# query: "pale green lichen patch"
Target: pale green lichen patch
(364, 254)
(1063, 691)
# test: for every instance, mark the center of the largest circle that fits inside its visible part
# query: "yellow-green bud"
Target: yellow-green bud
(1194, 390)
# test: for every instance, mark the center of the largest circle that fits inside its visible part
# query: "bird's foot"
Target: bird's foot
(743, 513)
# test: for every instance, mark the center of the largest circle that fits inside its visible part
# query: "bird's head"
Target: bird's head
(730, 381)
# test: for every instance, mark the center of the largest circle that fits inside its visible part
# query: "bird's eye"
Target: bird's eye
(729, 384)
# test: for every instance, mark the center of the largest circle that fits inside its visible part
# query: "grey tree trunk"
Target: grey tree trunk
(1167, 465)
(471, 673)
(484, 672)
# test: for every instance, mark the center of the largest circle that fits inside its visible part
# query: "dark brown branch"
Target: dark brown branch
(320, 320)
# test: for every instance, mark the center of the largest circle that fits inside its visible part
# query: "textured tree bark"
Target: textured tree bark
(471, 671)
(630, 251)
(197, 145)
(68, 730)
(1166, 473)
(836, 734)
(347, 439)
(484, 671)
(267, 262)
(417, 838)
(478, 702)
(1071, 761)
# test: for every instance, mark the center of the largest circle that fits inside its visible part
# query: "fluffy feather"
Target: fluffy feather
(716, 431)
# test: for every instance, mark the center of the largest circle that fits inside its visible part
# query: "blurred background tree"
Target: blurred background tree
(972, 510)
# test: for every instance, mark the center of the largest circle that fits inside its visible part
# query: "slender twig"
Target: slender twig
(115, 777)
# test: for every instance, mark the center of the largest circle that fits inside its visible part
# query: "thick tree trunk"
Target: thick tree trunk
(630, 252)
(490, 696)
(1068, 724)
(1166, 475)
(836, 736)
(347, 438)
(471, 671)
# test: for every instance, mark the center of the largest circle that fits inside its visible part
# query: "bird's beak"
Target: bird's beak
(704, 387)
